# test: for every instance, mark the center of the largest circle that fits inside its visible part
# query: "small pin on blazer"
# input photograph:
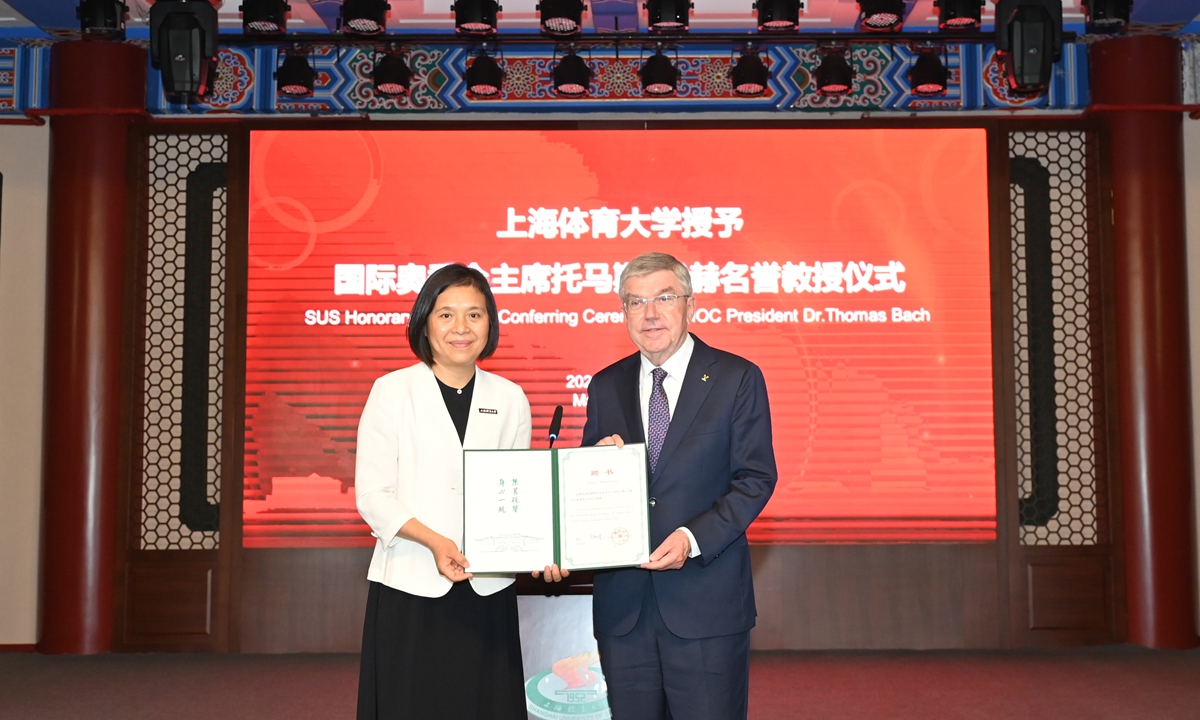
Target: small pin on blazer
(704, 379)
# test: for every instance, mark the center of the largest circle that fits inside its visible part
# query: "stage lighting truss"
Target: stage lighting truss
(1029, 37)
(749, 74)
(778, 15)
(834, 76)
(264, 17)
(882, 15)
(364, 17)
(668, 16)
(1107, 16)
(183, 45)
(484, 77)
(475, 17)
(102, 18)
(928, 76)
(572, 76)
(295, 78)
(561, 17)
(959, 14)
(659, 75)
(391, 76)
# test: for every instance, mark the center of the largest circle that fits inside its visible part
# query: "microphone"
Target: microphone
(555, 424)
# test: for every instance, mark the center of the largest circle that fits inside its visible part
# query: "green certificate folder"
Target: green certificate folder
(579, 508)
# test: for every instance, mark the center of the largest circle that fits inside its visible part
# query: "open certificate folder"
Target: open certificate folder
(582, 508)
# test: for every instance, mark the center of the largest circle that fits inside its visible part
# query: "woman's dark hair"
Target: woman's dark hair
(456, 275)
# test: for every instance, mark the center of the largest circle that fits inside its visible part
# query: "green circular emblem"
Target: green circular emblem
(547, 696)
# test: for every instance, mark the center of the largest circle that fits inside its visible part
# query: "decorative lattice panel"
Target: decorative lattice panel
(1057, 454)
(183, 205)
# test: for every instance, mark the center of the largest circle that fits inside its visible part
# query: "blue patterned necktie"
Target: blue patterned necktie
(660, 417)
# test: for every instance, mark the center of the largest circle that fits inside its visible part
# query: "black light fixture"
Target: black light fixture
(475, 17)
(364, 17)
(834, 75)
(264, 17)
(391, 76)
(572, 76)
(749, 75)
(1107, 16)
(928, 75)
(102, 18)
(295, 78)
(882, 15)
(959, 14)
(183, 45)
(485, 77)
(777, 15)
(1029, 37)
(668, 15)
(561, 17)
(659, 75)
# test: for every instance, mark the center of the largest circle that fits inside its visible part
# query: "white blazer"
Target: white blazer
(409, 465)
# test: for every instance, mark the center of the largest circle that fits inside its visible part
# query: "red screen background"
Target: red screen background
(883, 430)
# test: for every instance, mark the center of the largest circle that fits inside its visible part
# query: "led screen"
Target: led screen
(850, 265)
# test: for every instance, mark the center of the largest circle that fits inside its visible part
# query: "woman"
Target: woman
(437, 642)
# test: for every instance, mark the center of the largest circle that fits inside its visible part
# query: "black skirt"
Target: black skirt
(457, 657)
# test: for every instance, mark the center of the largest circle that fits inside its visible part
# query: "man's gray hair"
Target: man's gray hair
(653, 262)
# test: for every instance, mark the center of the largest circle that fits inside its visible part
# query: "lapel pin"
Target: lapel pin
(704, 379)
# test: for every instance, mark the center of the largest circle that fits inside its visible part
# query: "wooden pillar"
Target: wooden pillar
(88, 261)
(1154, 417)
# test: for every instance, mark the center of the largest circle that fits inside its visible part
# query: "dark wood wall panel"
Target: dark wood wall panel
(1065, 597)
(876, 596)
(169, 600)
(303, 600)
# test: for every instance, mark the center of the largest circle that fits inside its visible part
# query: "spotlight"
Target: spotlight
(928, 76)
(572, 76)
(882, 15)
(475, 17)
(183, 45)
(834, 75)
(777, 15)
(1107, 16)
(485, 77)
(1029, 36)
(391, 75)
(959, 14)
(749, 75)
(668, 15)
(295, 78)
(102, 18)
(659, 76)
(264, 17)
(364, 17)
(561, 17)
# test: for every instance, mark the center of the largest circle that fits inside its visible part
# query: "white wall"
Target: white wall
(24, 162)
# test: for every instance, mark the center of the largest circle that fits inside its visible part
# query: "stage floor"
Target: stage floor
(1094, 683)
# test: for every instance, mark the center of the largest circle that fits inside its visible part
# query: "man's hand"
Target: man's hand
(611, 440)
(672, 554)
(450, 562)
(552, 573)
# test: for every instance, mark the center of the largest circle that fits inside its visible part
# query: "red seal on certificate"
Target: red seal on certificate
(620, 536)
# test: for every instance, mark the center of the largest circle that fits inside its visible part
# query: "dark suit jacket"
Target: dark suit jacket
(715, 474)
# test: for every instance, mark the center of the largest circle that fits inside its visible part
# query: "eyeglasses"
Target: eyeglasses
(637, 305)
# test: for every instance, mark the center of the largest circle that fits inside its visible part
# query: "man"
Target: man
(674, 635)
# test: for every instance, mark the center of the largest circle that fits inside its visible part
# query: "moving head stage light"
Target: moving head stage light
(1029, 35)
(102, 18)
(183, 45)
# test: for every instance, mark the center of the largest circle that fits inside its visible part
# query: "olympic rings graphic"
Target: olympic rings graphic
(311, 230)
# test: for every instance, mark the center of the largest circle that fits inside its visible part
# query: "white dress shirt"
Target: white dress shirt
(676, 366)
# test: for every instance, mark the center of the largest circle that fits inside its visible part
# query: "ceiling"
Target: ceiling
(56, 18)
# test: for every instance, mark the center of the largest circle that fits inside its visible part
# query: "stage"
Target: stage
(1095, 683)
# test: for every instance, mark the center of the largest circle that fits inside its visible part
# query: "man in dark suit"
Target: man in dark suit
(674, 634)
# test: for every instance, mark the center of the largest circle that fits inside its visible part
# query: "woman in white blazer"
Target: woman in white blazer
(437, 642)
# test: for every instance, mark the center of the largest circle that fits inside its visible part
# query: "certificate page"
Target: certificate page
(603, 518)
(508, 510)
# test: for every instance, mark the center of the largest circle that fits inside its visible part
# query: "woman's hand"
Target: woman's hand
(450, 562)
(552, 573)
